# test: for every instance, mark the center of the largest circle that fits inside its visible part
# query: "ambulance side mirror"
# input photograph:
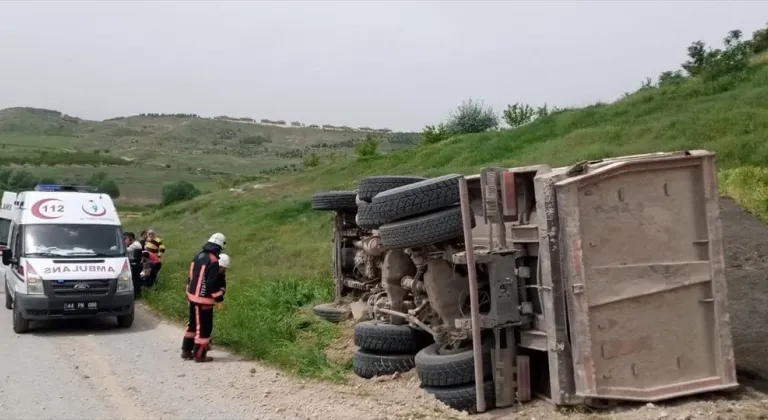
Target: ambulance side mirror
(7, 256)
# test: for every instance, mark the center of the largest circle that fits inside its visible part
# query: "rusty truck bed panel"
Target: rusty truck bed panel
(643, 275)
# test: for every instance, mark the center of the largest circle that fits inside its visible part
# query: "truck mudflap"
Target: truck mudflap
(644, 278)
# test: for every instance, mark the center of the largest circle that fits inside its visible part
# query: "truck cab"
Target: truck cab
(65, 258)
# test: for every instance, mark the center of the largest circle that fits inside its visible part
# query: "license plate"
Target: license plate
(81, 306)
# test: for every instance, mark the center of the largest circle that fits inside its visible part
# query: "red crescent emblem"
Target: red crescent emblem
(36, 209)
(95, 213)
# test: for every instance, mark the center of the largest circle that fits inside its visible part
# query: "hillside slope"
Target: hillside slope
(281, 248)
(176, 147)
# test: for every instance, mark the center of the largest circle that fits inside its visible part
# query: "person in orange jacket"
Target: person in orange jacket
(205, 289)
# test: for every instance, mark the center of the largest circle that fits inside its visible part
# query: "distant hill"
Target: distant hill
(167, 147)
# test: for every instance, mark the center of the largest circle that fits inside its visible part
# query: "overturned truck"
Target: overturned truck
(594, 283)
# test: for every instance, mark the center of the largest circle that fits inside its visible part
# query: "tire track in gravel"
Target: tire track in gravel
(86, 357)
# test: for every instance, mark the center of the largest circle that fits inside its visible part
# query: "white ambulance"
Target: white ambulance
(66, 258)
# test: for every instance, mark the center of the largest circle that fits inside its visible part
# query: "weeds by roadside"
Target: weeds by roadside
(274, 275)
(749, 187)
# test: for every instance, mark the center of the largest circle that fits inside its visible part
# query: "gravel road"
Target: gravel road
(91, 369)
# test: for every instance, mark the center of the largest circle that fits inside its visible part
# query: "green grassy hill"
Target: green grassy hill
(142, 152)
(281, 248)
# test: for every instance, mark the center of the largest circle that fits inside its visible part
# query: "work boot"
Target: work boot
(201, 354)
(204, 359)
(187, 348)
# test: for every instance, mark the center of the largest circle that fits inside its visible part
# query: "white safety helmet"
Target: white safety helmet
(218, 239)
(224, 261)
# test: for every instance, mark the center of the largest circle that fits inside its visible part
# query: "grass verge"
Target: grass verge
(275, 278)
(748, 186)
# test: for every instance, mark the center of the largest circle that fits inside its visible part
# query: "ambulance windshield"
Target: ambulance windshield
(73, 241)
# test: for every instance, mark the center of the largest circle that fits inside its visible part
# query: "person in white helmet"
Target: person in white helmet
(204, 291)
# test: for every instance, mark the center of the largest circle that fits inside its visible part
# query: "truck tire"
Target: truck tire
(368, 364)
(373, 185)
(424, 230)
(417, 198)
(334, 200)
(451, 369)
(383, 338)
(8, 300)
(464, 397)
(331, 313)
(126, 321)
(20, 324)
(367, 218)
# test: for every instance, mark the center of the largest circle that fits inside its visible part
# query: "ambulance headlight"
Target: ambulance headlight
(124, 282)
(34, 284)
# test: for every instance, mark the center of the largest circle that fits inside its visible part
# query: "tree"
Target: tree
(697, 52)
(714, 63)
(175, 192)
(520, 114)
(760, 40)
(472, 117)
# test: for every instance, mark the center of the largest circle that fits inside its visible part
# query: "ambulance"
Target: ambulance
(65, 258)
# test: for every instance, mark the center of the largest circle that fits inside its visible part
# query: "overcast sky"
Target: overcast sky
(396, 64)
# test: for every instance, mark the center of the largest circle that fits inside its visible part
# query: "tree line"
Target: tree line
(51, 158)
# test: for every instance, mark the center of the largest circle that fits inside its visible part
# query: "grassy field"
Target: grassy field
(281, 248)
(142, 152)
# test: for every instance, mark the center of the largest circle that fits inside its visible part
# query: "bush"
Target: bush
(256, 140)
(312, 160)
(21, 180)
(472, 117)
(469, 118)
(368, 148)
(46, 158)
(108, 186)
(435, 134)
(175, 192)
(671, 78)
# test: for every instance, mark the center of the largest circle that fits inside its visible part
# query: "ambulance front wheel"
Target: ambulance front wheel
(125, 321)
(20, 324)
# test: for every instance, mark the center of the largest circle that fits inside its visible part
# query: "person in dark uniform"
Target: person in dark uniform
(134, 250)
(204, 290)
